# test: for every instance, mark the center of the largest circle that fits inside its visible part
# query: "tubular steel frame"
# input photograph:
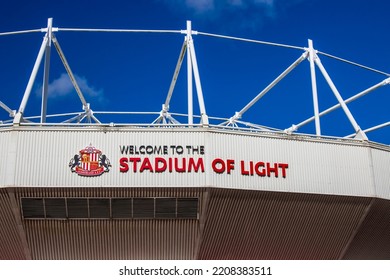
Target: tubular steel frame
(164, 117)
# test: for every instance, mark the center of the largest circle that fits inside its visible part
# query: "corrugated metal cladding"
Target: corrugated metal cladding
(381, 170)
(372, 241)
(112, 238)
(43, 158)
(8, 149)
(40, 158)
(313, 167)
(331, 202)
(266, 225)
(232, 224)
(11, 230)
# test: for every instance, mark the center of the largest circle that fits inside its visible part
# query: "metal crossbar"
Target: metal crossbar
(165, 117)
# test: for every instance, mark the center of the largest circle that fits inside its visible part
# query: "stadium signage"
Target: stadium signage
(175, 162)
(188, 159)
(89, 162)
(250, 168)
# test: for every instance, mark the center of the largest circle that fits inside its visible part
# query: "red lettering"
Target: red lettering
(160, 164)
(183, 166)
(199, 164)
(257, 169)
(230, 165)
(283, 166)
(134, 160)
(263, 169)
(251, 168)
(243, 171)
(124, 167)
(146, 165)
(272, 169)
(215, 164)
(170, 165)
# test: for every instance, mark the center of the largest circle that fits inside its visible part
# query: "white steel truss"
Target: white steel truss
(166, 118)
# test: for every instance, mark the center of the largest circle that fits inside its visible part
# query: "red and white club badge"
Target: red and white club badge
(89, 162)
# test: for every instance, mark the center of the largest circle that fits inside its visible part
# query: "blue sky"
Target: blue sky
(132, 72)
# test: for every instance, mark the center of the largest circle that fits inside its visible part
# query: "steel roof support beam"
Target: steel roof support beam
(239, 114)
(189, 78)
(312, 58)
(192, 73)
(175, 76)
(95, 119)
(77, 117)
(192, 60)
(8, 109)
(27, 92)
(45, 86)
(21, 32)
(373, 128)
(165, 107)
(256, 126)
(377, 127)
(199, 91)
(158, 120)
(82, 118)
(334, 107)
(69, 71)
(165, 118)
(359, 133)
(86, 106)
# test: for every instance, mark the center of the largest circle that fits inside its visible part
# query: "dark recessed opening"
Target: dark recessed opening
(77, 207)
(55, 208)
(121, 208)
(33, 208)
(187, 208)
(165, 207)
(106, 208)
(143, 208)
(99, 208)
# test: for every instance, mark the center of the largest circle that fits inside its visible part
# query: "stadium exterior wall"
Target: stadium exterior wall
(39, 157)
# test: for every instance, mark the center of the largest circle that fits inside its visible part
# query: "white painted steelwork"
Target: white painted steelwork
(312, 58)
(167, 118)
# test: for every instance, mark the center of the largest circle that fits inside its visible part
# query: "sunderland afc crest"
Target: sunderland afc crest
(89, 162)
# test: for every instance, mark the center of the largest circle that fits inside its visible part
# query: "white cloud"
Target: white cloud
(246, 3)
(234, 14)
(200, 6)
(209, 6)
(231, 14)
(62, 86)
(267, 2)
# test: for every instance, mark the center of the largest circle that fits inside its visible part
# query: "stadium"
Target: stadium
(187, 186)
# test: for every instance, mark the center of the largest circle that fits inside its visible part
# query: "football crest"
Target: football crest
(89, 162)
